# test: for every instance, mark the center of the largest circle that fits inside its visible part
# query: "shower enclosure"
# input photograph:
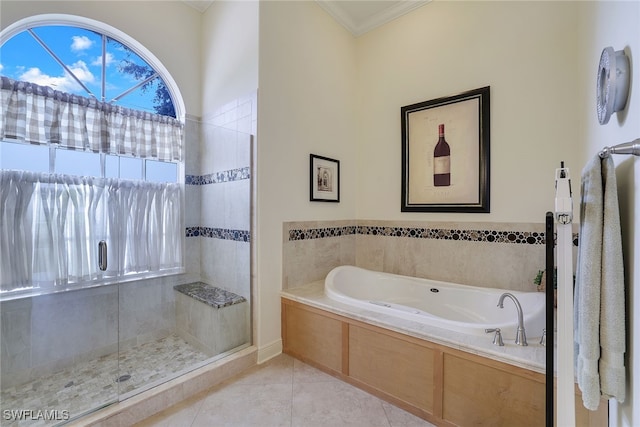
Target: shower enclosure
(65, 353)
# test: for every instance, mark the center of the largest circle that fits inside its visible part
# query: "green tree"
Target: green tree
(162, 103)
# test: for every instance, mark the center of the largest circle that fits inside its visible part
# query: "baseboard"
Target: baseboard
(269, 351)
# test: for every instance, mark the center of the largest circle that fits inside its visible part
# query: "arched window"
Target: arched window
(82, 56)
(91, 147)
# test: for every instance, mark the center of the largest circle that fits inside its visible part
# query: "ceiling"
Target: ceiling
(357, 16)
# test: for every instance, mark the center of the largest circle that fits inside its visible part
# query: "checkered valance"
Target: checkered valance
(40, 115)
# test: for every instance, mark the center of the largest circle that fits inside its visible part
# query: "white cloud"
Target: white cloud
(1, 67)
(82, 72)
(98, 61)
(80, 43)
(64, 83)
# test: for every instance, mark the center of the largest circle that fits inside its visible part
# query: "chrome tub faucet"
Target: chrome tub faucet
(521, 337)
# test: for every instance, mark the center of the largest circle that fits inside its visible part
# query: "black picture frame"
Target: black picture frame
(324, 179)
(466, 120)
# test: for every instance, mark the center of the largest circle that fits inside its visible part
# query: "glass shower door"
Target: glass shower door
(58, 338)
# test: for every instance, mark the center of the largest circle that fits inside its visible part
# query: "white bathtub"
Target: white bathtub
(461, 308)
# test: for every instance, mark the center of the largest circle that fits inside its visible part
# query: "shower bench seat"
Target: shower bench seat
(210, 318)
(210, 295)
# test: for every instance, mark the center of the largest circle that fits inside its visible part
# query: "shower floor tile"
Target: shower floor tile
(90, 385)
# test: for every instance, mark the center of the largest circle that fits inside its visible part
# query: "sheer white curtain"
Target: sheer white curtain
(50, 226)
(150, 223)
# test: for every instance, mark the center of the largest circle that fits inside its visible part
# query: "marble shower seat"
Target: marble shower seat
(212, 319)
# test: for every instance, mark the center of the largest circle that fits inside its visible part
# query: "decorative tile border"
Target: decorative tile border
(521, 237)
(321, 233)
(219, 233)
(219, 177)
(491, 236)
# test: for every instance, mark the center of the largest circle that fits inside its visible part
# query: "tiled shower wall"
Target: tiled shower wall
(220, 221)
(496, 255)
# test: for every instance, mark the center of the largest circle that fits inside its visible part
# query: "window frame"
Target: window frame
(44, 20)
(123, 38)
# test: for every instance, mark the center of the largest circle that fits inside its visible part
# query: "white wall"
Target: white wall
(229, 53)
(170, 30)
(526, 52)
(306, 104)
(617, 24)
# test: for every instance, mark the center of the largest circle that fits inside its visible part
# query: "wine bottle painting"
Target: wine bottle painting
(445, 154)
(441, 161)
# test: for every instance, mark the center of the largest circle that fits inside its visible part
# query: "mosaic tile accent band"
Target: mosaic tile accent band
(219, 177)
(219, 233)
(321, 233)
(491, 236)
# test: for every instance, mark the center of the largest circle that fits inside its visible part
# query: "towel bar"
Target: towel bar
(632, 147)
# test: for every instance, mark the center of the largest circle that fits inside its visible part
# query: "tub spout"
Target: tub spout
(521, 337)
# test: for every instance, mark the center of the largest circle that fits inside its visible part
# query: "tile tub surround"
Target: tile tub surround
(312, 248)
(497, 255)
(211, 319)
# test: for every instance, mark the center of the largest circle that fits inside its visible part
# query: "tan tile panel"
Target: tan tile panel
(497, 255)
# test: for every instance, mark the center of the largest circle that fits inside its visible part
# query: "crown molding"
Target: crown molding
(337, 12)
(199, 5)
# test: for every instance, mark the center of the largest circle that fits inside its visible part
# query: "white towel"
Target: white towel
(599, 310)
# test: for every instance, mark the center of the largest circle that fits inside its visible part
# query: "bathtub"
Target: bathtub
(460, 308)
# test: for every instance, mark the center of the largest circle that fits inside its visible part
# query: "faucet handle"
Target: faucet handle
(497, 338)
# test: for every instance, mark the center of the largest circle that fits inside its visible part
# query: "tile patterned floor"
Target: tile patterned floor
(93, 384)
(283, 392)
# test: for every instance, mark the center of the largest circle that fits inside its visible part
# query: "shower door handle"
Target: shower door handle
(102, 255)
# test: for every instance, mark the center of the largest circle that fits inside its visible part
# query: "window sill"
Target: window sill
(127, 278)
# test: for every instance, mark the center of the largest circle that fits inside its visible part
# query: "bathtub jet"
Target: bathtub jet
(456, 307)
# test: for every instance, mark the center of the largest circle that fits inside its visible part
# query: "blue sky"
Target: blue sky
(22, 58)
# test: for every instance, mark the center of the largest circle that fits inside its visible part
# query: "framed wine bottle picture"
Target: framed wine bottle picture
(445, 154)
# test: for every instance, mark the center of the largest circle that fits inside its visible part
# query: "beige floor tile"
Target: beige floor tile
(278, 370)
(335, 403)
(400, 418)
(284, 392)
(247, 405)
(303, 373)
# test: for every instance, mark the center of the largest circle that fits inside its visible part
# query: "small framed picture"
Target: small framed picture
(324, 181)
